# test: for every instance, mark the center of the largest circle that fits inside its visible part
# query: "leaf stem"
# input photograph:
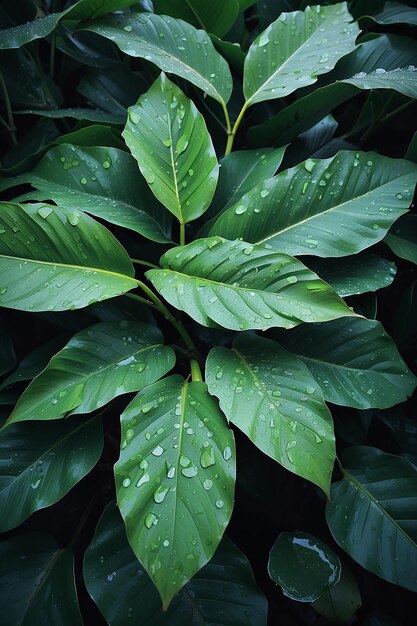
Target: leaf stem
(182, 234)
(10, 119)
(232, 133)
(146, 263)
(196, 374)
(133, 296)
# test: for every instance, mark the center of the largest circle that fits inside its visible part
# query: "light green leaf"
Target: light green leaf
(104, 182)
(402, 238)
(355, 362)
(215, 16)
(173, 45)
(175, 480)
(135, 599)
(272, 397)
(38, 466)
(97, 365)
(295, 49)
(327, 207)
(168, 137)
(53, 258)
(304, 566)
(37, 579)
(241, 286)
(339, 604)
(372, 514)
(353, 275)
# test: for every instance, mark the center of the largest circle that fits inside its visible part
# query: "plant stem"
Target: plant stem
(195, 371)
(146, 263)
(133, 296)
(10, 119)
(232, 133)
(182, 234)
(227, 118)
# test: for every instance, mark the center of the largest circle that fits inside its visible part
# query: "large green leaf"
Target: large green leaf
(97, 365)
(83, 114)
(175, 480)
(18, 36)
(372, 514)
(38, 466)
(7, 353)
(272, 397)
(356, 363)
(327, 207)
(104, 182)
(295, 49)
(111, 566)
(215, 16)
(37, 582)
(173, 45)
(353, 275)
(303, 565)
(53, 258)
(339, 604)
(402, 79)
(395, 13)
(402, 238)
(94, 8)
(168, 137)
(241, 286)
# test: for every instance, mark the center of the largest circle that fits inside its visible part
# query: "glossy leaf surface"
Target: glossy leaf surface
(355, 362)
(97, 365)
(38, 466)
(402, 238)
(69, 262)
(173, 45)
(272, 397)
(329, 207)
(295, 49)
(339, 604)
(37, 582)
(372, 513)
(215, 16)
(168, 137)
(304, 566)
(175, 480)
(241, 286)
(123, 591)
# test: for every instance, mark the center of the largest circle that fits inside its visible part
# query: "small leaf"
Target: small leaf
(110, 565)
(304, 566)
(38, 583)
(327, 207)
(241, 286)
(339, 604)
(48, 261)
(355, 362)
(169, 139)
(175, 480)
(38, 466)
(295, 49)
(173, 45)
(272, 397)
(372, 514)
(97, 365)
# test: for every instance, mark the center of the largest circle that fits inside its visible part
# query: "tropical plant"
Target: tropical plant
(206, 222)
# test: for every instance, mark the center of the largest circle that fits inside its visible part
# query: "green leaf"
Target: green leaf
(402, 79)
(69, 262)
(173, 45)
(241, 286)
(83, 114)
(295, 49)
(38, 466)
(372, 514)
(134, 598)
(395, 13)
(272, 397)
(402, 238)
(7, 354)
(304, 566)
(327, 207)
(95, 8)
(97, 365)
(37, 579)
(353, 275)
(175, 480)
(104, 182)
(169, 139)
(339, 604)
(215, 16)
(355, 362)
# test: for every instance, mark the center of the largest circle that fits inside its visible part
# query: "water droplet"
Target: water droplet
(227, 453)
(310, 390)
(158, 450)
(207, 484)
(219, 504)
(151, 520)
(74, 218)
(160, 493)
(240, 209)
(207, 458)
(128, 29)
(44, 211)
(189, 472)
(83, 180)
(106, 164)
(144, 479)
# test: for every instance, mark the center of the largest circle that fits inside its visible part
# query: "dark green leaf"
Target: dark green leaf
(395, 13)
(241, 286)
(372, 514)
(7, 354)
(84, 114)
(215, 16)
(272, 397)
(175, 480)
(339, 604)
(97, 365)
(402, 238)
